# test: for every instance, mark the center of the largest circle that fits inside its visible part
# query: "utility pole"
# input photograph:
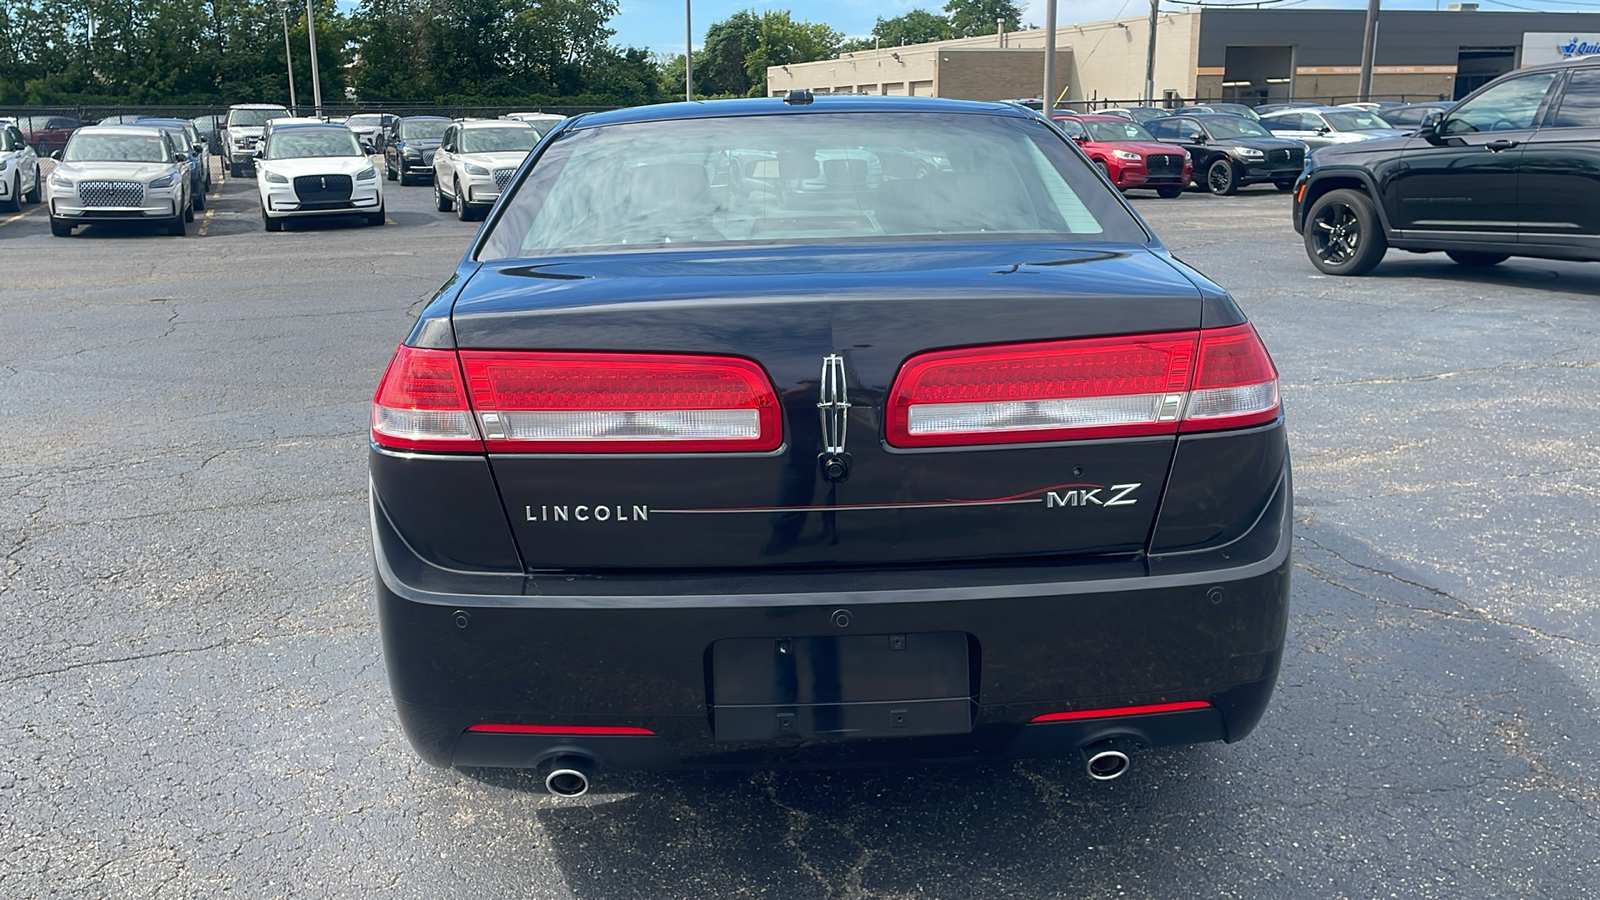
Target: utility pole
(1150, 57)
(288, 58)
(316, 82)
(688, 54)
(1369, 50)
(1049, 96)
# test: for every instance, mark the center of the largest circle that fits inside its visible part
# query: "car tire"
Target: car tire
(1167, 193)
(463, 212)
(188, 211)
(60, 228)
(15, 202)
(405, 177)
(378, 218)
(233, 170)
(177, 226)
(387, 172)
(199, 201)
(37, 193)
(1222, 178)
(1283, 187)
(268, 223)
(1477, 260)
(440, 201)
(1343, 235)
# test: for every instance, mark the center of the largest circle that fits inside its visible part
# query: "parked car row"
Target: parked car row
(1221, 152)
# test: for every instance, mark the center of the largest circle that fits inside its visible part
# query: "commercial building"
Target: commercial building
(1249, 55)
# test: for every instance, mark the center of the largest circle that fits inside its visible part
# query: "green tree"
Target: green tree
(719, 68)
(785, 41)
(915, 27)
(974, 17)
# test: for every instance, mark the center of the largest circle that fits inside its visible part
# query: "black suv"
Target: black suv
(409, 145)
(1231, 151)
(1512, 170)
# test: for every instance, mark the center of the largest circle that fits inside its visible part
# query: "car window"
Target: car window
(252, 118)
(1118, 131)
(1580, 102)
(805, 178)
(1283, 122)
(1073, 127)
(1169, 128)
(1506, 106)
(1225, 127)
(1354, 120)
(92, 147)
(497, 140)
(423, 129)
(290, 144)
(7, 143)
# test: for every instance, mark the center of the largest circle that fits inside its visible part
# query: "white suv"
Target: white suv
(316, 170)
(474, 162)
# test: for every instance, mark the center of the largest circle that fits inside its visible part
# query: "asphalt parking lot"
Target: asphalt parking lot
(192, 698)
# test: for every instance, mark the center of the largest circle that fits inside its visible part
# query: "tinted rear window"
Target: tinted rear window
(813, 177)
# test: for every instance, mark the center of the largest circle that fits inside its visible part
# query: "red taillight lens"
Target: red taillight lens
(621, 402)
(421, 403)
(1235, 383)
(1061, 390)
(1079, 389)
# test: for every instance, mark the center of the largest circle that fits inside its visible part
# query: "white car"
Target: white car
(475, 160)
(117, 173)
(19, 170)
(316, 170)
(541, 122)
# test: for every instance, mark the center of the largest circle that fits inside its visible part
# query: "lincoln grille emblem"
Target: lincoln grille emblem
(324, 182)
(834, 411)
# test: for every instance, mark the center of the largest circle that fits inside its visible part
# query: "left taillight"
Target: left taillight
(421, 403)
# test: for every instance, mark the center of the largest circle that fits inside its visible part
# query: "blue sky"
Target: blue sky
(658, 24)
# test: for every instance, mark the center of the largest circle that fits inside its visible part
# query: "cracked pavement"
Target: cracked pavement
(193, 704)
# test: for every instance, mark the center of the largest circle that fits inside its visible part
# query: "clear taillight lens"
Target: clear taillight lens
(621, 402)
(1080, 389)
(421, 403)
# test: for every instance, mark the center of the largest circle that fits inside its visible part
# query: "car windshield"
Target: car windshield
(1111, 132)
(289, 144)
(1236, 109)
(424, 129)
(254, 118)
(363, 121)
(89, 147)
(1234, 127)
(498, 140)
(1354, 120)
(806, 178)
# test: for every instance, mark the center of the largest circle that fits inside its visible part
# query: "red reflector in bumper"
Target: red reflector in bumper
(572, 730)
(1122, 711)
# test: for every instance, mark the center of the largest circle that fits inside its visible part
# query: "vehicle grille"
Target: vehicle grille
(1163, 164)
(427, 157)
(1285, 158)
(322, 188)
(110, 193)
(501, 177)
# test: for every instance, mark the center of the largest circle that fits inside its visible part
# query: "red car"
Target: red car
(48, 134)
(1130, 156)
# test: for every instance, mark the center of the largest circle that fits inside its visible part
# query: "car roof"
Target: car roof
(476, 124)
(821, 103)
(310, 126)
(419, 118)
(258, 106)
(1095, 117)
(121, 129)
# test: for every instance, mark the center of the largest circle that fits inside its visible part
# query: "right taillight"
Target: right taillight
(1084, 388)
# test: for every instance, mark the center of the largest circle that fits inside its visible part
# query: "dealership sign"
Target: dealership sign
(1539, 47)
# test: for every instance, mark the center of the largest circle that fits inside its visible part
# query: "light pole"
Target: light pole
(1049, 97)
(1150, 56)
(688, 54)
(1369, 52)
(288, 58)
(316, 82)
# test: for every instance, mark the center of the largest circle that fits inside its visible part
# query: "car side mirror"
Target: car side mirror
(1197, 138)
(1324, 130)
(181, 157)
(1429, 131)
(1081, 138)
(55, 154)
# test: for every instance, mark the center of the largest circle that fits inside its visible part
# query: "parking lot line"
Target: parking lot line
(206, 222)
(20, 215)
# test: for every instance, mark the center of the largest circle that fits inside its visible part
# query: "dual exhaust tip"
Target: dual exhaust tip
(570, 776)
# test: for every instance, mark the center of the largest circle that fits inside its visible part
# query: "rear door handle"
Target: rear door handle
(1497, 146)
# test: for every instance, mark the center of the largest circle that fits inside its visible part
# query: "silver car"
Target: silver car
(118, 173)
(1323, 126)
(19, 170)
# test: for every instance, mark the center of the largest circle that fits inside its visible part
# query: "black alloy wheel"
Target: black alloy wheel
(1167, 193)
(1475, 259)
(1343, 235)
(1222, 178)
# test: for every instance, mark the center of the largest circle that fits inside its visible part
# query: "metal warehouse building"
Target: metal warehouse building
(1251, 55)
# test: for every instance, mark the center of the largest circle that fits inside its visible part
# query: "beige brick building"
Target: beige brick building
(1249, 55)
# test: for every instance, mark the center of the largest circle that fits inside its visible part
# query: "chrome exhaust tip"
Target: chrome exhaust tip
(569, 777)
(1104, 761)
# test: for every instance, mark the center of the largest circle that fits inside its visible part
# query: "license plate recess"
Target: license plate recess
(875, 685)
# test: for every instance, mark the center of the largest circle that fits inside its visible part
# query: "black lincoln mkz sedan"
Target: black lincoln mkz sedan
(814, 431)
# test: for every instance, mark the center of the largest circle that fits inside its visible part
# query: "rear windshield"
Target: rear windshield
(302, 144)
(1234, 127)
(498, 140)
(1111, 132)
(254, 117)
(116, 148)
(361, 121)
(814, 177)
(424, 129)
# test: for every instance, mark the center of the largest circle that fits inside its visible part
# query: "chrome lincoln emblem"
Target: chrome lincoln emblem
(324, 182)
(834, 407)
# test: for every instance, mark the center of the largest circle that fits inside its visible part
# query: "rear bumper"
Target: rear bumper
(1209, 628)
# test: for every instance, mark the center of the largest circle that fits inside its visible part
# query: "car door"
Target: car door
(444, 158)
(1461, 177)
(27, 160)
(1295, 126)
(1558, 190)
